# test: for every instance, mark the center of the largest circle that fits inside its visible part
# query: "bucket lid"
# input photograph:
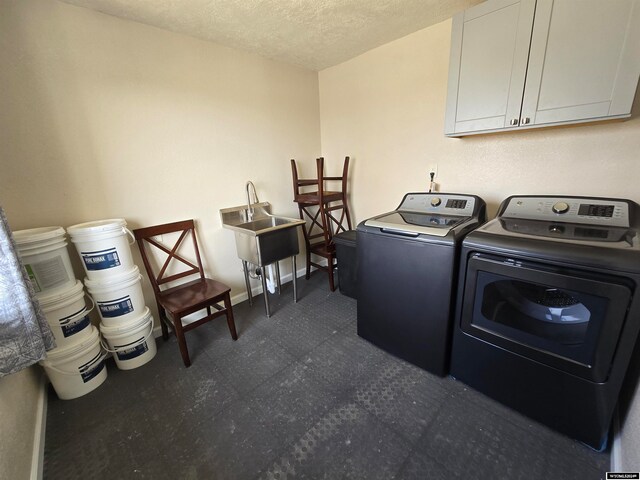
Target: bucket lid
(74, 348)
(114, 279)
(46, 299)
(24, 238)
(96, 227)
(125, 326)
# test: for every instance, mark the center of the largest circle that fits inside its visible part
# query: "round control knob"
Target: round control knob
(560, 207)
(435, 201)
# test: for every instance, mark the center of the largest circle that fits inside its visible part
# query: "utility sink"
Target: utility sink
(263, 239)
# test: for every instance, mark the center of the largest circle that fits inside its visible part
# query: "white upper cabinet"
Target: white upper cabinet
(488, 65)
(524, 63)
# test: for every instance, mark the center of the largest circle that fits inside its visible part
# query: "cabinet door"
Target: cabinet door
(488, 65)
(584, 61)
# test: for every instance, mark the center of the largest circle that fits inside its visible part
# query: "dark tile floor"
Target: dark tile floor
(299, 395)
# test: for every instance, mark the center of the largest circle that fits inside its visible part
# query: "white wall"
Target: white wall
(386, 109)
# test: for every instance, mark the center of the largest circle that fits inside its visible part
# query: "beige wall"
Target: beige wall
(386, 109)
(102, 118)
(19, 394)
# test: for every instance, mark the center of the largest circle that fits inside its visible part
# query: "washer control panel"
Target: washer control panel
(588, 211)
(442, 203)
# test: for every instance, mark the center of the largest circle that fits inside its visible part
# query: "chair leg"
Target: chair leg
(230, 322)
(308, 274)
(182, 343)
(163, 321)
(330, 271)
(307, 245)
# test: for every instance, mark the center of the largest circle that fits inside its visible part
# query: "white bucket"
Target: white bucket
(67, 314)
(45, 256)
(77, 369)
(103, 247)
(118, 298)
(132, 342)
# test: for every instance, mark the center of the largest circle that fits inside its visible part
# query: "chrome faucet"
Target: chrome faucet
(250, 210)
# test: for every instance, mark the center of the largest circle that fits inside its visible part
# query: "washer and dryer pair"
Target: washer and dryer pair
(547, 308)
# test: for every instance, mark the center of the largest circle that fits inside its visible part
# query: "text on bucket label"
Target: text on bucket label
(74, 323)
(127, 353)
(47, 273)
(116, 308)
(101, 259)
(89, 371)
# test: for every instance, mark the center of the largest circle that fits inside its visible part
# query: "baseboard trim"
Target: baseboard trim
(37, 458)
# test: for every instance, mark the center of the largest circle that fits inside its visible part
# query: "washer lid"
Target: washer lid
(434, 214)
(414, 224)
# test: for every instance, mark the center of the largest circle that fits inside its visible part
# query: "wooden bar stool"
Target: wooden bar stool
(326, 212)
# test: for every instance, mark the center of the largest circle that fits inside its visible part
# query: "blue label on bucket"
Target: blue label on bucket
(127, 353)
(89, 371)
(71, 326)
(115, 308)
(101, 259)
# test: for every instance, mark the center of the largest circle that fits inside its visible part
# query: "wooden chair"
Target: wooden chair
(326, 212)
(176, 302)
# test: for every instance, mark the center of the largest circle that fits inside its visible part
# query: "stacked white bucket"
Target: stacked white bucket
(114, 282)
(76, 366)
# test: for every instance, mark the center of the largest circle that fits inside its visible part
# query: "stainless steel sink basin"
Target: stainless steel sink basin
(266, 225)
(262, 239)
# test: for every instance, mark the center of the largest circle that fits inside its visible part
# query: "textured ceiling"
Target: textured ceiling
(315, 34)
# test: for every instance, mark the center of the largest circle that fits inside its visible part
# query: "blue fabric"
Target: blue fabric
(25, 335)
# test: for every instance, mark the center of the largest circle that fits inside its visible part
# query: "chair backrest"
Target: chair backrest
(145, 239)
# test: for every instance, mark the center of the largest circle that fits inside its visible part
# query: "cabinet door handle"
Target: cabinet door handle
(525, 121)
(514, 121)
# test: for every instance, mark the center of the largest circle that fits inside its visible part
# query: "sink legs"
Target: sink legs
(263, 279)
(278, 278)
(265, 292)
(294, 280)
(245, 269)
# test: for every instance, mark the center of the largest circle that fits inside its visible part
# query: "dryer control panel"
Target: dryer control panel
(581, 210)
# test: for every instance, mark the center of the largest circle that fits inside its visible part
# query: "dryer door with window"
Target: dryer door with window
(565, 318)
